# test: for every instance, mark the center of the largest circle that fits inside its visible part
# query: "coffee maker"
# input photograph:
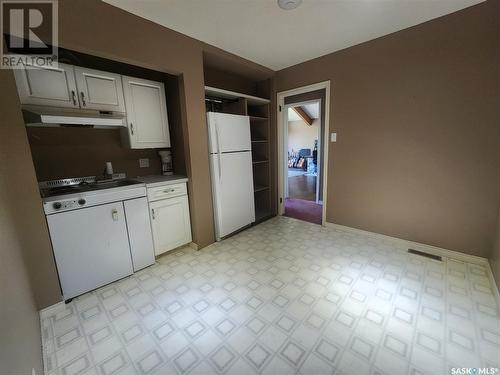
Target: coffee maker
(167, 167)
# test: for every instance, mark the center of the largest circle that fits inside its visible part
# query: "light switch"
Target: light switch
(144, 163)
(333, 137)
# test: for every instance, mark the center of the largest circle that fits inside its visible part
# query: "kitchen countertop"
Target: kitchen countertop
(160, 180)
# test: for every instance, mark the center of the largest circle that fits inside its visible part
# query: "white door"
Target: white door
(171, 223)
(228, 132)
(232, 182)
(99, 90)
(90, 246)
(139, 233)
(47, 86)
(146, 113)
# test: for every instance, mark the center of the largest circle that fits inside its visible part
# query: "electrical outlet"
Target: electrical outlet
(144, 163)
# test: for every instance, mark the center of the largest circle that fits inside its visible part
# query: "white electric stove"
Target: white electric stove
(100, 230)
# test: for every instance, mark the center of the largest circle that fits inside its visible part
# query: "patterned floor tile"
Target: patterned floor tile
(283, 297)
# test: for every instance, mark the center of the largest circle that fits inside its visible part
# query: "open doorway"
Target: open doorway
(302, 135)
(303, 151)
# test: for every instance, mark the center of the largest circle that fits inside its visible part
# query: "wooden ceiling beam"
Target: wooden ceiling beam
(303, 115)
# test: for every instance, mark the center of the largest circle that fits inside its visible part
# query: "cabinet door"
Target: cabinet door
(139, 233)
(146, 113)
(99, 90)
(47, 85)
(91, 247)
(171, 223)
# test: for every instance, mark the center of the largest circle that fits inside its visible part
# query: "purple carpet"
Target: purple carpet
(304, 210)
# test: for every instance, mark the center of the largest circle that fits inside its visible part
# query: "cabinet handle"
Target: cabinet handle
(153, 213)
(73, 96)
(83, 98)
(132, 128)
(169, 191)
(114, 213)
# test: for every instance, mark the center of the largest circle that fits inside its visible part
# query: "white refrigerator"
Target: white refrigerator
(230, 154)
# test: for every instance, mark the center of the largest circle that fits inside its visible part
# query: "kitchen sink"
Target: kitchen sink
(106, 184)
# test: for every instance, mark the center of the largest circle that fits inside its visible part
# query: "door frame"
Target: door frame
(282, 161)
(285, 144)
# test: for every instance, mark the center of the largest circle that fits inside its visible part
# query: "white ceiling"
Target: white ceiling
(260, 31)
(292, 115)
(312, 109)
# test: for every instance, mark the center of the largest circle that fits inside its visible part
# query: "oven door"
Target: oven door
(91, 247)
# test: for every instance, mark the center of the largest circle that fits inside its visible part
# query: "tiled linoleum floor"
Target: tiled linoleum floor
(283, 297)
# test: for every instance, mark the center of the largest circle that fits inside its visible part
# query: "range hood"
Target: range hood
(55, 117)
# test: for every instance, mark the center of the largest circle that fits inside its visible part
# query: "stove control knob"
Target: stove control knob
(57, 205)
(81, 201)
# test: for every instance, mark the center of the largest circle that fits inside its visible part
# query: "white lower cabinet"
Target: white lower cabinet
(139, 233)
(171, 223)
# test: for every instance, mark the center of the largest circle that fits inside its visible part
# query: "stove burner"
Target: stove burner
(65, 190)
(80, 185)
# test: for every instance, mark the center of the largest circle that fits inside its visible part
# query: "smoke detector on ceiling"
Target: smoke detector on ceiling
(289, 4)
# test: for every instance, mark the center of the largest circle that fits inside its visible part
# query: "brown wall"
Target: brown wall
(417, 116)
(119, 36)
(74, 152)
(233, 82)
(26, 252)
(27, 272)
(495, 253)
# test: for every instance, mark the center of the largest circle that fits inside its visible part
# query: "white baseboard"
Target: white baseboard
(52, 309)
(445, 253)
(493, 282)
(434, 250)
(194, 246)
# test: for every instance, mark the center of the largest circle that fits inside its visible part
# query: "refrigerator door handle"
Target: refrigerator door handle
(218, 150)
(220, 172)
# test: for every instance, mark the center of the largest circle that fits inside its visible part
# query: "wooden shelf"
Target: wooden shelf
(258, 188)
(258, 111)
(221, 93)
(262, 214)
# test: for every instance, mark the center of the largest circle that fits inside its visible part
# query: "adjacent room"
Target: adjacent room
(302, 194)
(250, 187)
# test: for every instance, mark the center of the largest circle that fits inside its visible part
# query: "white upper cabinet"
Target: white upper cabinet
(99, 90)
(47, 86)
(146, 109)
(69, 86)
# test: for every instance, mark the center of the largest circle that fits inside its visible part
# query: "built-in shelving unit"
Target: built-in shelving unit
(257, 109)
(226, 94)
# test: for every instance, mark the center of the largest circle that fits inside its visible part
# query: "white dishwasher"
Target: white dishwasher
(99, 236)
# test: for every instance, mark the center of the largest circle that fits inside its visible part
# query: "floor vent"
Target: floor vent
(424, 254)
